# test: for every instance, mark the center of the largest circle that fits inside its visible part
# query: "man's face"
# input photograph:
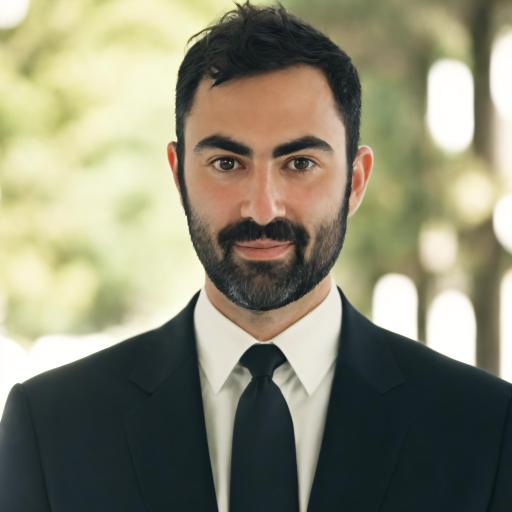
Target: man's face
(265, 165)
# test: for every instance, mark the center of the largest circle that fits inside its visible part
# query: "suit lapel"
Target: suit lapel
(367, 419)
(166, 432)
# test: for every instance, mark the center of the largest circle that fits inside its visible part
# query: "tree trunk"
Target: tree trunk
(485, 250)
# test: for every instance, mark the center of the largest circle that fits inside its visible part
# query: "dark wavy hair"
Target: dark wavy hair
(252, 40)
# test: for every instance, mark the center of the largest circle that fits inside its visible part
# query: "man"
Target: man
(269, 391)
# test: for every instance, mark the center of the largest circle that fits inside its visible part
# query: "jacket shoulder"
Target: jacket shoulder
(421, 365)
(97, 369)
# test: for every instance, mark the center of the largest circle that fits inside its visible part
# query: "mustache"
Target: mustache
(280, 230)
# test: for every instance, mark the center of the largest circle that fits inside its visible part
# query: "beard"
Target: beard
(266, 285)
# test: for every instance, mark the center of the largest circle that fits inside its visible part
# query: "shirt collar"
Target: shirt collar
(310, 344)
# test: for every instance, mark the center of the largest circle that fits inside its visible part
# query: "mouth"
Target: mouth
(263, 249)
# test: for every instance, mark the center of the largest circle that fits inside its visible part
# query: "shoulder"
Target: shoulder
(146, 358)
(115, 374)
(428, 371)
(433, 372)
(98, 373)
(158, 349)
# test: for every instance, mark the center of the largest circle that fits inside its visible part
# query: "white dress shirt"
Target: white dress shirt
(311, 348)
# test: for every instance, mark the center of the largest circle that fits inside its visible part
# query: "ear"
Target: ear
(172, 157)
(361, 171)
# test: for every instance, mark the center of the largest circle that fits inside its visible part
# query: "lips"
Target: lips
(263, 249)
(262, 244)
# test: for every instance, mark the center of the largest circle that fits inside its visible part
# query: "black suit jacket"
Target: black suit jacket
(407, 430)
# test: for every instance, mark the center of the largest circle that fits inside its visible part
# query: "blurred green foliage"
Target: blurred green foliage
(91, 229)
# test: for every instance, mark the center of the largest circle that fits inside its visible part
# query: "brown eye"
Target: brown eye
(225, 164)
(301, 164)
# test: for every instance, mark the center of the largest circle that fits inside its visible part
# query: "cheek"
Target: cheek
(210, 201)
(317, 202)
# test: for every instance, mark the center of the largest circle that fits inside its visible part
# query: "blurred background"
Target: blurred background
(93, 241)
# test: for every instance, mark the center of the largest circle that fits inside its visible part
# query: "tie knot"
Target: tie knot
(262, 360)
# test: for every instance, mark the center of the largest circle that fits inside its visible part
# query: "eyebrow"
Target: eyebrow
(218, 141)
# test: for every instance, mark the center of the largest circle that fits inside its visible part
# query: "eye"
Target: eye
(225, 164)
(301, 164)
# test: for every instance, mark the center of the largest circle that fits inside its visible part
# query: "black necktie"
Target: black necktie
(263, 460)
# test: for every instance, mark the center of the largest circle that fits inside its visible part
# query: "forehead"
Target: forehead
(266, 109)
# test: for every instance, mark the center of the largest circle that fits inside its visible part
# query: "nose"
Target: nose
(263, 201)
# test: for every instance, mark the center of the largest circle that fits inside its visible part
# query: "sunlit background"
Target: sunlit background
(93, 241)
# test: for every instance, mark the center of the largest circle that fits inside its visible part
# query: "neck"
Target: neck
(265, 325)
